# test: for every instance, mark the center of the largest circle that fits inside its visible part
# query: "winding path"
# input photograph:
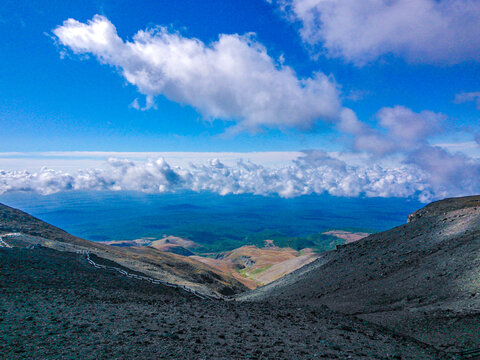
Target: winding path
(145, 278)
(86, 253)
(3, 243)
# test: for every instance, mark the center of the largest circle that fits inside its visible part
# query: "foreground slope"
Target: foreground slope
(21, 229)
(421, 279)
(56, 305)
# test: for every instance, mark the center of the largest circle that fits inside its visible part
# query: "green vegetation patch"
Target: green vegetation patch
(247, 273)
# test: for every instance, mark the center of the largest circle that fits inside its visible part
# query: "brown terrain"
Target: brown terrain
(250, 265)
(173, 244)
(348, 236)
(136, 242)
(254, 266)
(169, 242)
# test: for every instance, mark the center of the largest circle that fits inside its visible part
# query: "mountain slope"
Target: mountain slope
(421, 278)
(21, 229)
(54, 305)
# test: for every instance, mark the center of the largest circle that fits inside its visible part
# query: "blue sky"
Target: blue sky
(336, 78)
(66, 104)
(69, 104)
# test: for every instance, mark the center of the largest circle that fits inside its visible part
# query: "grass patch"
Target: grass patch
(246, 273)
(259, 270)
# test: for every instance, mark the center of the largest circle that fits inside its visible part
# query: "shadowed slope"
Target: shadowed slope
(421, 278)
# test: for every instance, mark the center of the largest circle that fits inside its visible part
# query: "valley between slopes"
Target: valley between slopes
(411, 293)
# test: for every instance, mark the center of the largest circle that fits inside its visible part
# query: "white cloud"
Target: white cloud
(428, 174)
(233, 78)
(467, 97)
(149, 104)
(45, 181)
(400, 130)
(409, 127)
(421, 31)
(447, 174)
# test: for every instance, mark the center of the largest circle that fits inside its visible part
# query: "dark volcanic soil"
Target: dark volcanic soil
(55, 305)
(420, 279)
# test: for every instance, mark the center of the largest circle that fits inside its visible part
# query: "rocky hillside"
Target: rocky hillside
(21, 229)
(421, 279)
(54, 305)
(418, 282)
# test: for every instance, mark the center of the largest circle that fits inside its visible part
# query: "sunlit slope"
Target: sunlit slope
(255, 266)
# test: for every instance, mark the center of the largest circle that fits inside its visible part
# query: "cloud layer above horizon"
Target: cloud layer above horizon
(420, 31)
(431, 173)
(233, 79)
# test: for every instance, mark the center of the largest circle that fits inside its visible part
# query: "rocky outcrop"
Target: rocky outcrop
(442, 207)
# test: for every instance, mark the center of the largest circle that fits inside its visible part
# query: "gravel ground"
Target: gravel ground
(54, 305)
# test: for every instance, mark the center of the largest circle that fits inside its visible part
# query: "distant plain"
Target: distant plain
(215, 222)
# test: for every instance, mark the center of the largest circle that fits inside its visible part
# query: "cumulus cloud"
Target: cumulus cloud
(399, 129)
(430, 173)
(447, 174)
(421, 31)
(232, 78)
(467, 97)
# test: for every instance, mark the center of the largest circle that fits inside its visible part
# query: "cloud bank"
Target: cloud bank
(233, 78)
(430, 173)
(421, 31)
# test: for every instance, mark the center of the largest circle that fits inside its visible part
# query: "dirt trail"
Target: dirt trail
(3, 243)
(145, 278)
